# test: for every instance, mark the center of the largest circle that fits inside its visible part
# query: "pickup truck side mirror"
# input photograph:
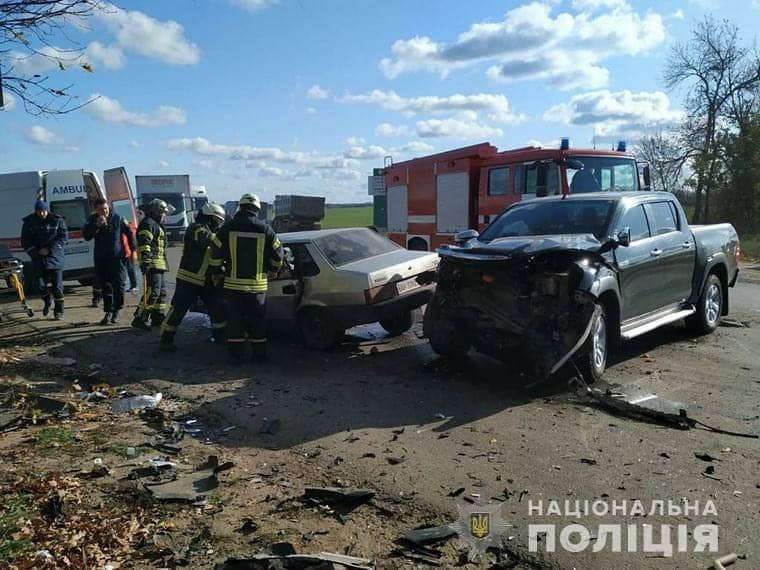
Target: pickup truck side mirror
(624, 237)
(465, 235)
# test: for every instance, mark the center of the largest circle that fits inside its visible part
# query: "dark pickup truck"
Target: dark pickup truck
(571, 276)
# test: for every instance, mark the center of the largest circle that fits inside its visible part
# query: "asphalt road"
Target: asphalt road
(389, 413)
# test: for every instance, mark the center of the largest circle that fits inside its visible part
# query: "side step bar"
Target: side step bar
(657, 323)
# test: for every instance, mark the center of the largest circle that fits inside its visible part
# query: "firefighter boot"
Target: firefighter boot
(259, 352)
(58, 309)
(114, 317)
(141, 322)
(157, 319)
(106, 320)
(166, 344)
(237, 352)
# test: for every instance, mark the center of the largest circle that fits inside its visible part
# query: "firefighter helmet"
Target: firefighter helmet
(160, 207)
(213, 210)
(250, 200)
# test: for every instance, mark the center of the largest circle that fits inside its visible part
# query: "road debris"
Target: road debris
(136, 403)
(335, 497)
(321, 561)
(48, 360)
(192, 487)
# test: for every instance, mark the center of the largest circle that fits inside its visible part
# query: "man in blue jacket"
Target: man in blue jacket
(43, 235)
(106, 228)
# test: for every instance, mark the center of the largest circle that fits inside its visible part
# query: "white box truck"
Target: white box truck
(71, 194)
(174, 189)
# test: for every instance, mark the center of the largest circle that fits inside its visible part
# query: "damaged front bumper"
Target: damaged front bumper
(534, 311)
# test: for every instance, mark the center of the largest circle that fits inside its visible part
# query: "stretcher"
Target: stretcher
(11, 270)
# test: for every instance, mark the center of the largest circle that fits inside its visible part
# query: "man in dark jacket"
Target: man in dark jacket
(193, 279)
(107, 228)
(151, 248)
(247, 249)
(43, 236)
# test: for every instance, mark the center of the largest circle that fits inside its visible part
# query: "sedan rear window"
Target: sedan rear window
(341, 248)
(540, 217)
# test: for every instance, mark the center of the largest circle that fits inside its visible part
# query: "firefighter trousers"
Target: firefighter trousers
(153, 302)
(246, 313)
(185, 297)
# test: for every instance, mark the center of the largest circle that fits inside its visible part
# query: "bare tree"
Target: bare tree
(667, 157)
(720, 75)
(28, 28)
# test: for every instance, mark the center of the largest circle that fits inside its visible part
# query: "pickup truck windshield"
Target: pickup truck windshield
(537, 218)
(603, 174)
(341, 248)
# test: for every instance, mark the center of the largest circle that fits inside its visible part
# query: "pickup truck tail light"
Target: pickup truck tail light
(380, 293)
(738, 253)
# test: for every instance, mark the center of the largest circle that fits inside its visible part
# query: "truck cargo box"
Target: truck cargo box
(307, 207)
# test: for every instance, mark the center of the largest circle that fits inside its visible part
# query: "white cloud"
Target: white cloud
(253, 5)
(110, 57)
(316, 92)
(137, 32)
(679, 15)
(71, 148)
(311, 111)
(272, 172)
(415, 147)
(554, 143)
(494, 103)
(251, 154)
(9, 102)
(111, 111)
(38, 134)
(616, 114)
(464, 126)
(162, 164)
(390, 130)
(526, 43)
(134, 144)
(356, 148)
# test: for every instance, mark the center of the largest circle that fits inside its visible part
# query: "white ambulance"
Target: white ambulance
(71, 194)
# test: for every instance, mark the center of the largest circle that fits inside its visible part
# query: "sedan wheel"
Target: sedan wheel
(319, 328)
(397, 323)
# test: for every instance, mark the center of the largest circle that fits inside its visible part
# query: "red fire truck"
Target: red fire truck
(430, 199)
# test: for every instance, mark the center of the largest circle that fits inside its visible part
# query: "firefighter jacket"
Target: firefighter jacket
(247, 248)
(151, 244)
(38, 233)
(110, 237)
(193, 267)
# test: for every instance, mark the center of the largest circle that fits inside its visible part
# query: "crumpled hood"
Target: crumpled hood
(508, 247)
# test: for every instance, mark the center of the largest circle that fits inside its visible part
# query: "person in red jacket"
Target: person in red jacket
(129, 260)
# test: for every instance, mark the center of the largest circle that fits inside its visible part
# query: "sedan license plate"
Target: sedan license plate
(406, 285)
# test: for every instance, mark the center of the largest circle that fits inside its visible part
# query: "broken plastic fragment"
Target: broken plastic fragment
(136, 403)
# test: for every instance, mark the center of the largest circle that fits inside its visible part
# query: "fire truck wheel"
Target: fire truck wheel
(319, 328)
(397, 323)
(417, 244)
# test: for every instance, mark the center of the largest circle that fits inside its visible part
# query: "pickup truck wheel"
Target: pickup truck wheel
(593, 358)
(319, 328)
(398, 322)
(446, 338)
(709, 307)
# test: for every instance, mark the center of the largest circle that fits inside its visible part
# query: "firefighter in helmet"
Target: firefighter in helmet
(151, 249)
(246, 249)
(193, 278)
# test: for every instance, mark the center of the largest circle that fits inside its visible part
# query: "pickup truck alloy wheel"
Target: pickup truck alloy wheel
(709, 307)
(599, 343)
(592, 357)
(712, 303)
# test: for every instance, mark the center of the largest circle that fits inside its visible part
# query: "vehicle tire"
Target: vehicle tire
(709, 307)
(417, 244)
(446, 338)
(595, 351)
(319, 328)
(398, 322)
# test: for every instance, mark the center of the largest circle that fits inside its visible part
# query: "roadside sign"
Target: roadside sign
(376, 185)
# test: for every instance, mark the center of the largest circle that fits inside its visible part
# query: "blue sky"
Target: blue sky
(307, 96)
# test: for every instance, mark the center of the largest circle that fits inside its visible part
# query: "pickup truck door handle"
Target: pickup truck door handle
(686, 244)
(656, 252)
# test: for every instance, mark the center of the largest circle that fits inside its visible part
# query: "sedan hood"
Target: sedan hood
(510, 247)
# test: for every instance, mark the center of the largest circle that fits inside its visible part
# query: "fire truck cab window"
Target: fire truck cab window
(498, 181)
(537, 179)
(603, 174)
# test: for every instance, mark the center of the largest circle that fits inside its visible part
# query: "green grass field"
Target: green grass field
(347, 217)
